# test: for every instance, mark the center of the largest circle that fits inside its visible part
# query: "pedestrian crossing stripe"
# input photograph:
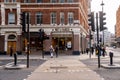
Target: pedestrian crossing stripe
(65, 70)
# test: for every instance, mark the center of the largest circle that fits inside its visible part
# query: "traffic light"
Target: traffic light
(102, 18)
(23, 21)
(91, 21)
(41, 35)
(45, 36)
(91, 36)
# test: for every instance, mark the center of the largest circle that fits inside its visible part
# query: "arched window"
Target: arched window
(11, 36)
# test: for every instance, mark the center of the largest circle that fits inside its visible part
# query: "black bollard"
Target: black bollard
(15, 59)
(111, 58)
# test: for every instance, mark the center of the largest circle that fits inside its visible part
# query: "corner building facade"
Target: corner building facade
(117, 27)
(64, 21)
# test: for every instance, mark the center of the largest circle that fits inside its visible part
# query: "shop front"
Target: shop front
(64, 40)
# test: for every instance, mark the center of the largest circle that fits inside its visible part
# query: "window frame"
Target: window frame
(39, 1)
(70, 17)
(70, 1)
(62, 18)
(39, 15)
(11, 18)
(53, 17)
(61, 1)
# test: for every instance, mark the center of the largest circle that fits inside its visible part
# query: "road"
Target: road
(18, 74)
(107, 74)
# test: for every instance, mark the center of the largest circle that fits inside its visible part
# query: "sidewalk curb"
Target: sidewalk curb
(108, 66)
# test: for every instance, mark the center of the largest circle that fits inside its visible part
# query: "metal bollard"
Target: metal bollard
(111, 58)
(15, 59)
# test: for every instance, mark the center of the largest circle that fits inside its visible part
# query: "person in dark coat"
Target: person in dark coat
(87, 50)
(92, 50)
(56, 50)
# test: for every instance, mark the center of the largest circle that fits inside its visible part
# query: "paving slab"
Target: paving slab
(63, 69)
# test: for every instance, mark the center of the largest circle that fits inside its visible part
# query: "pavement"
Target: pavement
(63, 68)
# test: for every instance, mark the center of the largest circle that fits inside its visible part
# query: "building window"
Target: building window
(39, 18)
(27, 1)
(13, 0)
(39, 1)
(61, 1)
(53, 18)
(70, 18)
(70, 1)
(11, 18)
(6, 0)
(62, 20)
(53, 1)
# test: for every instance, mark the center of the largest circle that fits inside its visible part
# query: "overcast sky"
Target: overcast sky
(110, 9)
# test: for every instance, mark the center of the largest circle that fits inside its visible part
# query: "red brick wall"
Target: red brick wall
(46, 15)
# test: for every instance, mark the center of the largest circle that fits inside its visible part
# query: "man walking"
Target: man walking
(56, 50)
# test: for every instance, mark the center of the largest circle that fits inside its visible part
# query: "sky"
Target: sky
(110, 7)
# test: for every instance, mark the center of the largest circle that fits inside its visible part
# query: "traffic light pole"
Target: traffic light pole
(102, 4)
(42, 49)
(98, 46)
(90, 42)
(28, 40)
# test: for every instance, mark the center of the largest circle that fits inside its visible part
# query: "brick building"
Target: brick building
(64, 21)
(117, 27)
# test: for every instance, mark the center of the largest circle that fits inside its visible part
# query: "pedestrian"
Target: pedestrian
(87, 50)
(51, 51)
(56, 50)
(92, 50)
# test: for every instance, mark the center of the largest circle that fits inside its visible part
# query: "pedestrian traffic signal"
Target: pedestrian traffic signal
(41, 34)
(91, 21)
(102, 18)
(91, 36)
(23, 21)
(45, 36)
